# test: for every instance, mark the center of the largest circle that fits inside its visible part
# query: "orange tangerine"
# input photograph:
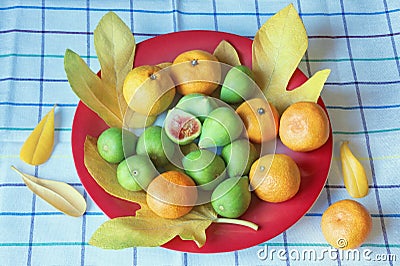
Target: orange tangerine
(346, 224)
(196, 71)
(171, 195)
(148, 91)
(275, 177)
(260, 118)
(304, 126)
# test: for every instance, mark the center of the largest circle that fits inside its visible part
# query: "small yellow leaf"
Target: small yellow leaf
(355, 179)
(39, 145)
(227, 54)
(59, 194)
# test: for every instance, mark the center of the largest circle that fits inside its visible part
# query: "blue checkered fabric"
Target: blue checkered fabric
(358, 40)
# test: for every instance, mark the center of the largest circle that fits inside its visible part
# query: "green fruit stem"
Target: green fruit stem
(237, 221)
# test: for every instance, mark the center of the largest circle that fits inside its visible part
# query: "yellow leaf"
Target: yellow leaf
(115, 48)
(278, 47)
(227, 54)
(105, 174)
(354, 176)
(309, 91)
(39, 145)
(59, 194)
(91, 90)
(146, 229)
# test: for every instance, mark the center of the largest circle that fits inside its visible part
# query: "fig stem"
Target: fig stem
(237, 221)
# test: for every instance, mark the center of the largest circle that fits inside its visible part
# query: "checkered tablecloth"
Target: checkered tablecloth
(358, 40)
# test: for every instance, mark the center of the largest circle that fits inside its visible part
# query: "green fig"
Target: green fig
(114, 144)
(205, 167)
(238, 85)
(181, 127)
(176, 163)
(239, 156)
(136, 172)
(232, 197)
(154, 143)
(221, 127)
(197, 104)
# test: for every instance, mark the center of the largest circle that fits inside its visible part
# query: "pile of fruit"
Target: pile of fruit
(203, 129)
(211, 145)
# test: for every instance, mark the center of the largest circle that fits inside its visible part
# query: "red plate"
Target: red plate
(272, 219)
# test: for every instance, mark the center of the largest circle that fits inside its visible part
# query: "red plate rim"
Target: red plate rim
(220, 237)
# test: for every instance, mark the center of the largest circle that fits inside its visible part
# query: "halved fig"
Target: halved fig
(181, 127)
